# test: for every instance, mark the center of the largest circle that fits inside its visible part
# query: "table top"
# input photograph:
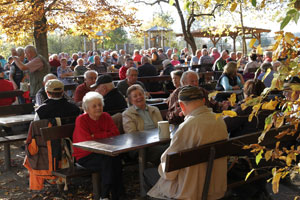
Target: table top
(113, 146)
(232, 91)
(9, 121)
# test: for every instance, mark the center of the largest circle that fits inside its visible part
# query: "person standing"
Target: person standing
(38, 67)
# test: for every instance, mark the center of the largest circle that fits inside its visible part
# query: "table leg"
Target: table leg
(7, 156)
(96, 185)
(142, 162)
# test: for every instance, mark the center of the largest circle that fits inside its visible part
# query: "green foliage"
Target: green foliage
(117, 36)
(291, 14)
(65, 43)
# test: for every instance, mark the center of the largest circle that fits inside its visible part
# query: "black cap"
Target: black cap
(102, 80)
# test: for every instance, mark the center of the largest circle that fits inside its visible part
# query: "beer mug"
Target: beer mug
(164, 129)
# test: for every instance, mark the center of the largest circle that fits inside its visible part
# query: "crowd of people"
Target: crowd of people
(188, 104)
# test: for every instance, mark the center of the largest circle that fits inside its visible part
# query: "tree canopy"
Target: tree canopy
(21, 19)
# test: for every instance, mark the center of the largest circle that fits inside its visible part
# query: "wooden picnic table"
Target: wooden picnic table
(114, 146)
(12, 120)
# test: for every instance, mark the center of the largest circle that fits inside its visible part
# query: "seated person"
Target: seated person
(268, 79)
(41, 95)
(139, 116)
(230, 80)
(122, 72)
(203, 128)
(80, 68)
(63, 71)
(89, 79)
(56, 105)
(167, 67)
(96, 124)
(131, 79)
(176, 76)
(6, 85)
(175, 60)
(113, 99)
(239, 125)
(98, 66)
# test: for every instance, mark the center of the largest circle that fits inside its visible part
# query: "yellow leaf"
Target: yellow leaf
(249, 173)
(263, 134)
(233, 6)
(288, 36)
(268, 155)
(279, 121)
(252, 41)
(212, 94)
(295, 87)
(275, 182)
(254, 111)
(289, 159)
(244, 106)
(232, 99)
(271, 105)
(229, 113)
(259, 50)
(259, 157)
(266, 74)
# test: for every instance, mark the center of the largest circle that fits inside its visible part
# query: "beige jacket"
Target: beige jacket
(132, 122)
(199, 128)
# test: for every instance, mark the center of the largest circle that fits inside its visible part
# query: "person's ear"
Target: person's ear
(182, 106)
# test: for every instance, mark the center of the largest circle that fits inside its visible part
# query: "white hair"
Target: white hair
(185, 74)
(89, 71)
(48, 76)
(88, 97)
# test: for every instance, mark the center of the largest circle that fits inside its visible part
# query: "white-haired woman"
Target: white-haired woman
(139, 116)
(96, 124)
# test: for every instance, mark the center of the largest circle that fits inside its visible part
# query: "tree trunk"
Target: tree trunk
(186, 31)
(40, 37)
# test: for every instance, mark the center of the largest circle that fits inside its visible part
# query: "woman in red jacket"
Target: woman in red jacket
(96, 124)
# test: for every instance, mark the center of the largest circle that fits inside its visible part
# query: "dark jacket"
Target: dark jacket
(57, 108)
(114, 100)
(232, 82)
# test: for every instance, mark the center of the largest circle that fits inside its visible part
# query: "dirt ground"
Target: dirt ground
(14, 184)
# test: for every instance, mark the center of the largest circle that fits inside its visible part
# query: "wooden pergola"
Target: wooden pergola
(156, 36)
(215, 35)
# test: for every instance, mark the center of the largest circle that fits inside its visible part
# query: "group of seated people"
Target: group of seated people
(188, 106)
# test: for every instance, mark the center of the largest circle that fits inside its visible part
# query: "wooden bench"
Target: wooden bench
(232, 147)
(10, 94)
(7, 140)
(66, 131)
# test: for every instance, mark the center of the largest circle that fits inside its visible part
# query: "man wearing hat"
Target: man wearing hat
(5, 86)
(113, 99)
(56, 105)
(200, 127)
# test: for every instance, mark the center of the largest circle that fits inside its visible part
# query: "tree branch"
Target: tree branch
(212, 13)
(151, 3)
(50, 6)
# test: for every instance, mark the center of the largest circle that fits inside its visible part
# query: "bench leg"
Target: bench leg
(96, 185)
(142, 161)
(7, 156)
(209, 167)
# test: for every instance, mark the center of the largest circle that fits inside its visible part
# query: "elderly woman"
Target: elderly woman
(176, 76)
(230, 80)
(96, 124)
(139, 116)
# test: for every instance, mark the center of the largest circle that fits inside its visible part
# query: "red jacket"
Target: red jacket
(87, 129)
(122, 72)
(6, 85)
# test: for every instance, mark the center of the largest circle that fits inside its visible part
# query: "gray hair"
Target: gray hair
(48, 76)
(20, 51)
(89, 71)
(88, 97)
(268, 54)
(31, 48)
(130, 70)
(145, 59)
(185, 74)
